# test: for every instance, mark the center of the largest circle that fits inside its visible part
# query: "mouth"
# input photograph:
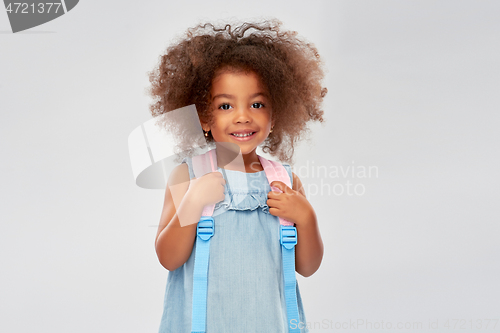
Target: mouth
(243, 136)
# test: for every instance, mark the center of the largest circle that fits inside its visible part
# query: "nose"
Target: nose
(242, 115)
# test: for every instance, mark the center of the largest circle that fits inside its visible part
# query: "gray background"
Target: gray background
(413, 86)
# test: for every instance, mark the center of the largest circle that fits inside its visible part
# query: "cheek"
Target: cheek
(219, 127)
(266, 120)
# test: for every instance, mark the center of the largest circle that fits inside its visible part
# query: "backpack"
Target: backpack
(205, 230)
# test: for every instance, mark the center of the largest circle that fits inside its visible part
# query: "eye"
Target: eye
(257, 105)
(225, 106)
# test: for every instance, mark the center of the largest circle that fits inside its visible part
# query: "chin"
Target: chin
(246, 150)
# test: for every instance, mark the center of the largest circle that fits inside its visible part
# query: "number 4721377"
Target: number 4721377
(24, 8)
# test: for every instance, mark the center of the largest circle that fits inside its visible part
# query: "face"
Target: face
(241, 110)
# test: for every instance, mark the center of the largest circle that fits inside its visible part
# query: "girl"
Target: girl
(252, 85)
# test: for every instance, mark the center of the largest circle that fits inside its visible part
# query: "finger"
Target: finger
(272, 203)
(274, 211)
(274, 195)
(282, 186)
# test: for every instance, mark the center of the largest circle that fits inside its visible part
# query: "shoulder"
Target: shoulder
(187, 164)
(179, 174)
(297, 184)
(182, 168)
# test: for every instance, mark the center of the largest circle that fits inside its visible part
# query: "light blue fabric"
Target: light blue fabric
(245, 281)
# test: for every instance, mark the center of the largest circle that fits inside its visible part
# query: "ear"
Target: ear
(204, 126)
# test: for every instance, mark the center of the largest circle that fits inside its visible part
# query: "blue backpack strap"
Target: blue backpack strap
(288, 240)
(204, 231)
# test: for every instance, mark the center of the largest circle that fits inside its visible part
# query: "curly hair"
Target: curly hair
(290, 69)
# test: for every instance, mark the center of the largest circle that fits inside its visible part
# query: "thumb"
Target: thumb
(281, 186)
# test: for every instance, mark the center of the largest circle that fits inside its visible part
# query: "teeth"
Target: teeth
(242, 135)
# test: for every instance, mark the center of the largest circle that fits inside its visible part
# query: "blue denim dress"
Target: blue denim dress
(245, 281)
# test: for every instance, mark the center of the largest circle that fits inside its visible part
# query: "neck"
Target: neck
(230, 159)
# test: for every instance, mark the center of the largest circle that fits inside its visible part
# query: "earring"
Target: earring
(206, 133)
(271, 130)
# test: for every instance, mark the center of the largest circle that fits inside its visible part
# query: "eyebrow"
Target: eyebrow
(232, 97)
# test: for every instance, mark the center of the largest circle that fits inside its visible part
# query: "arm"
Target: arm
(174, 243)
(184, 201)
(292, 205)
(309, 248)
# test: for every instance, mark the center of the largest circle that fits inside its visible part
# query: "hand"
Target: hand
(288, 204)
(208, 189)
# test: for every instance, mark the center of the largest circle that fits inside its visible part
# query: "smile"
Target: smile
(243, 137)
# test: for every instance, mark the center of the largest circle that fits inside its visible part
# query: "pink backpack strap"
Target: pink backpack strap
(288, 240)
(276, 171)
(203, 164)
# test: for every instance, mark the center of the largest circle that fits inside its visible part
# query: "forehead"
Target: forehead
(239, 82)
